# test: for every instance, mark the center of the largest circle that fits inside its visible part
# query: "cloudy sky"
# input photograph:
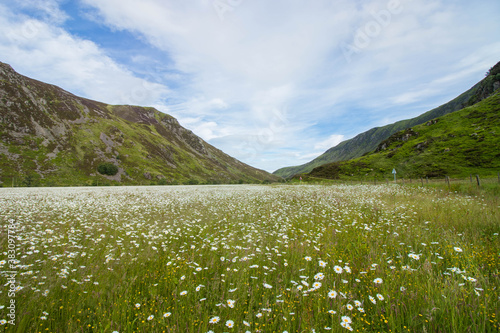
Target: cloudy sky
(272, 83)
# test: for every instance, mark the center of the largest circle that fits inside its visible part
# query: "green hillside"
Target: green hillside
(51, 137)
(369, 140)
(458, 144)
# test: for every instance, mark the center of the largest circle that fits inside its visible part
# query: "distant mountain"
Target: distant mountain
(49, 136)
(458, 144)
(369, 140)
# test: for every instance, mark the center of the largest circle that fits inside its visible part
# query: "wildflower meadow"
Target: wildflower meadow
(249, 258)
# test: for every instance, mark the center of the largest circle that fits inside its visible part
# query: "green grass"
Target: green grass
(88, 256)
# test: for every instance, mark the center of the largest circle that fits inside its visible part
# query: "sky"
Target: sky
(271, 83)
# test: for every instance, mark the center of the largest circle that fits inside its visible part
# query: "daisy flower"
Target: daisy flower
(458, 249)
(337, 269)
(357, 303)
(308, 258)
(349, 307)
(230, 303)
(246, 323)
(151, 317)
(332, 294)
(268, 286)
(346, 320)
(322, 263)
(214, 320)
(3, 322)
(372, 299)
(378, 281)
(258, 315)
(137, 305)
(344, 325)
(230, 323)
(319, 276)
(380, 297)
(316, 285)
(332, 312)
(167, 314)
(183, 293)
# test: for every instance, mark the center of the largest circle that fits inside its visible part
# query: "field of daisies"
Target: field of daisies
(362, 258)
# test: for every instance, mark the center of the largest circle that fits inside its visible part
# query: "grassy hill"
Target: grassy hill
(458, 144)
(49, 136)
(369, 140)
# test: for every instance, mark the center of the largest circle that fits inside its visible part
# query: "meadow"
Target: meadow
(249, 258)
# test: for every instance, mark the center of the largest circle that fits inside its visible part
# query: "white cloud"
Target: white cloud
(47, 10)
(330, 142)
(47, 52)
(241, 57)
(206, 130)
(460, 72)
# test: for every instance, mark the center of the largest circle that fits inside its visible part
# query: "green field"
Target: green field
(366, 258)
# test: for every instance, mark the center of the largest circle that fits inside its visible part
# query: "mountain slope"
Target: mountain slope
(368, 141)
(458, 144)
(58, 138)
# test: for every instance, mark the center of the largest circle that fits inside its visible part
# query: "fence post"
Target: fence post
(422, 180)
(427, 179)
(478, 181)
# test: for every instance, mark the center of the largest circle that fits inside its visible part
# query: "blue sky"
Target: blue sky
(272, 83)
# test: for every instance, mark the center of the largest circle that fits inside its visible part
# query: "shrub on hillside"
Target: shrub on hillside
(107, 169)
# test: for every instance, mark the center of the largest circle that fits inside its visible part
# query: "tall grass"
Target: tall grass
(252, 258)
